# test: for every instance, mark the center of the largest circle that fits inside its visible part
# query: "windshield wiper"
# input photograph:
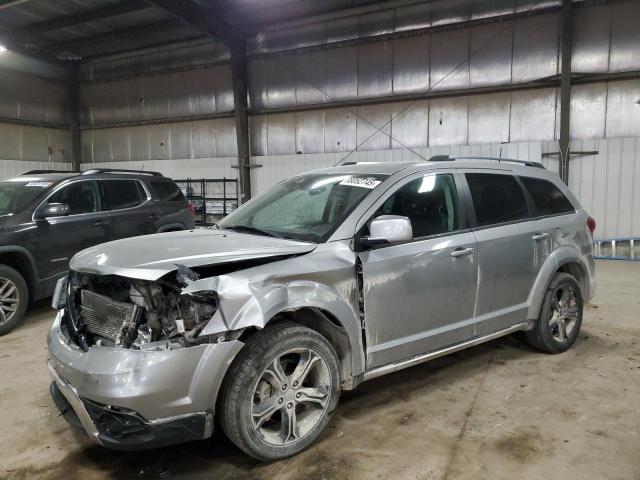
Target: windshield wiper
(248, 229)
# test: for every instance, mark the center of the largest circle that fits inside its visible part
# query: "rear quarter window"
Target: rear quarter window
(547, 198)
(166, 191)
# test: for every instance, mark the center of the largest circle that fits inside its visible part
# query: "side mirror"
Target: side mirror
(387, 229)
(52, 210)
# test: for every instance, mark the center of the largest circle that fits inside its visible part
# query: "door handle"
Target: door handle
(540, 236)
(153, 216)
(97, 223)
(461, 252)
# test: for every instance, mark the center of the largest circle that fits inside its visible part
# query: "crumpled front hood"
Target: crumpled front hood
(149, 257)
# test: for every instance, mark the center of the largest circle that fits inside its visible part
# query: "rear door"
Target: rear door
(57, 239)
(131, 210)
(507, 258)
(552, 211)
(419, 296)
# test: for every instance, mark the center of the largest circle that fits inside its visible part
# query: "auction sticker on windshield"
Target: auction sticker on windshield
(363, 182)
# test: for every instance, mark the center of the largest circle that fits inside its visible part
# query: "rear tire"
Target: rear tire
(279, 392)
(14, 298)
(560, 317)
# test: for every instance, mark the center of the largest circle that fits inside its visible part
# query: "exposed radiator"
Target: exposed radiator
(105, 318)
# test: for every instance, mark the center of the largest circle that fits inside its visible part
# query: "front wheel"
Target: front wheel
(280, 391)
(560, 317)
(14, 297)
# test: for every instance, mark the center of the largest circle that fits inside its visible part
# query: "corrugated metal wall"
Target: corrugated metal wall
(313, 133)
(608, 184)
(32, 100)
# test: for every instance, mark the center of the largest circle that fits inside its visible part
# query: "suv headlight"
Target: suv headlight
(59, 300)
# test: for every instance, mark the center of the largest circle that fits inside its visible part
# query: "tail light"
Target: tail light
(192, 208)
(591, 223)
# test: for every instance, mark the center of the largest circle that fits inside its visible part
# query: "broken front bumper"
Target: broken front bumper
(138, 399)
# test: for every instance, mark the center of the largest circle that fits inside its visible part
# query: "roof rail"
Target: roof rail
(447, 158)
(95, 171)
(40, 172)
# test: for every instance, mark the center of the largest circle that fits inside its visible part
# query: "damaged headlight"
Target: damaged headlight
(59, 300)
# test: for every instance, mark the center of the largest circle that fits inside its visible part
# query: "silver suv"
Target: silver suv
(326, 280)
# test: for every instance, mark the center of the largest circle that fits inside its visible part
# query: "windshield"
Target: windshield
(15, 196)
(309, 207)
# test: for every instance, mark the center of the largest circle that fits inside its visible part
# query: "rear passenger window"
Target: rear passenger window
(123, 193)
(166, 191)
(548, 198)
(496, 198)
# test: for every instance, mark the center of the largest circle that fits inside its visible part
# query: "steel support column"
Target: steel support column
(239, 75)
(74, 118)
(565, 90)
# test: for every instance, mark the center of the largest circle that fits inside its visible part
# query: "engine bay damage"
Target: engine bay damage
(120, 312)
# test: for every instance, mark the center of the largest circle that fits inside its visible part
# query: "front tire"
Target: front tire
(14, 298)
(280, 391)
(560, 317)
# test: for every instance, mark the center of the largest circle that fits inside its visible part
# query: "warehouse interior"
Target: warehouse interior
(258, 91)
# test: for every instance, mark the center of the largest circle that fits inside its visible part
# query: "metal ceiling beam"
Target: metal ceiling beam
(202, 19)
(100, 13)
(115, 35)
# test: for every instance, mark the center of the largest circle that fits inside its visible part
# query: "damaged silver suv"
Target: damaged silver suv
(326, 280)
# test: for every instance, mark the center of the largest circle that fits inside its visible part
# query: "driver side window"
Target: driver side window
(430, 203)
(82, 197)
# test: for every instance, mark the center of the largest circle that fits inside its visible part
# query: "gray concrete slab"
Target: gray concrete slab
(497, 411)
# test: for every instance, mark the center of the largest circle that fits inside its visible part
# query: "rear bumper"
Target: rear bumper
(138, 399)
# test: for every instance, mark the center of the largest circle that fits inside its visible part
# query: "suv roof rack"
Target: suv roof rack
(95, 171)
(447, 158)
(40, 172)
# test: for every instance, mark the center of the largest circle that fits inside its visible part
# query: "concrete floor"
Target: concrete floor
(497, 411)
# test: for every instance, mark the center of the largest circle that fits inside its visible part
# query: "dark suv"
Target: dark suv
(47, 216)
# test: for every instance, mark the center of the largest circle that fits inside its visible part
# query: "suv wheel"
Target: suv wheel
(560, 317)
(280, 391)
(14, 297)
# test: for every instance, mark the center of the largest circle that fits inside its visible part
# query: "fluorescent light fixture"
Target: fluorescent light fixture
(2, 49)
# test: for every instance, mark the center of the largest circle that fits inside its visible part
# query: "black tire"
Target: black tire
(22, 293)
(246, 375)
(547, 335)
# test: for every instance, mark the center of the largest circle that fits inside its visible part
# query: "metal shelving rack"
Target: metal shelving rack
(214, 198)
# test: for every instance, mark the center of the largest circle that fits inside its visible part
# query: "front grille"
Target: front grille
(104, 317)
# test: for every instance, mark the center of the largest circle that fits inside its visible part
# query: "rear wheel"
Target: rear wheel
(14, 297)
(280, 392)
(560, 317)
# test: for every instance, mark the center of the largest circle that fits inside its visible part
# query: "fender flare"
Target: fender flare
(33, 274)
(557, 259)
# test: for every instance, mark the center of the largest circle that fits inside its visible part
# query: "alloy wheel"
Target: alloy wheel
(9, 300)
(290, 396)
(563, 313)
